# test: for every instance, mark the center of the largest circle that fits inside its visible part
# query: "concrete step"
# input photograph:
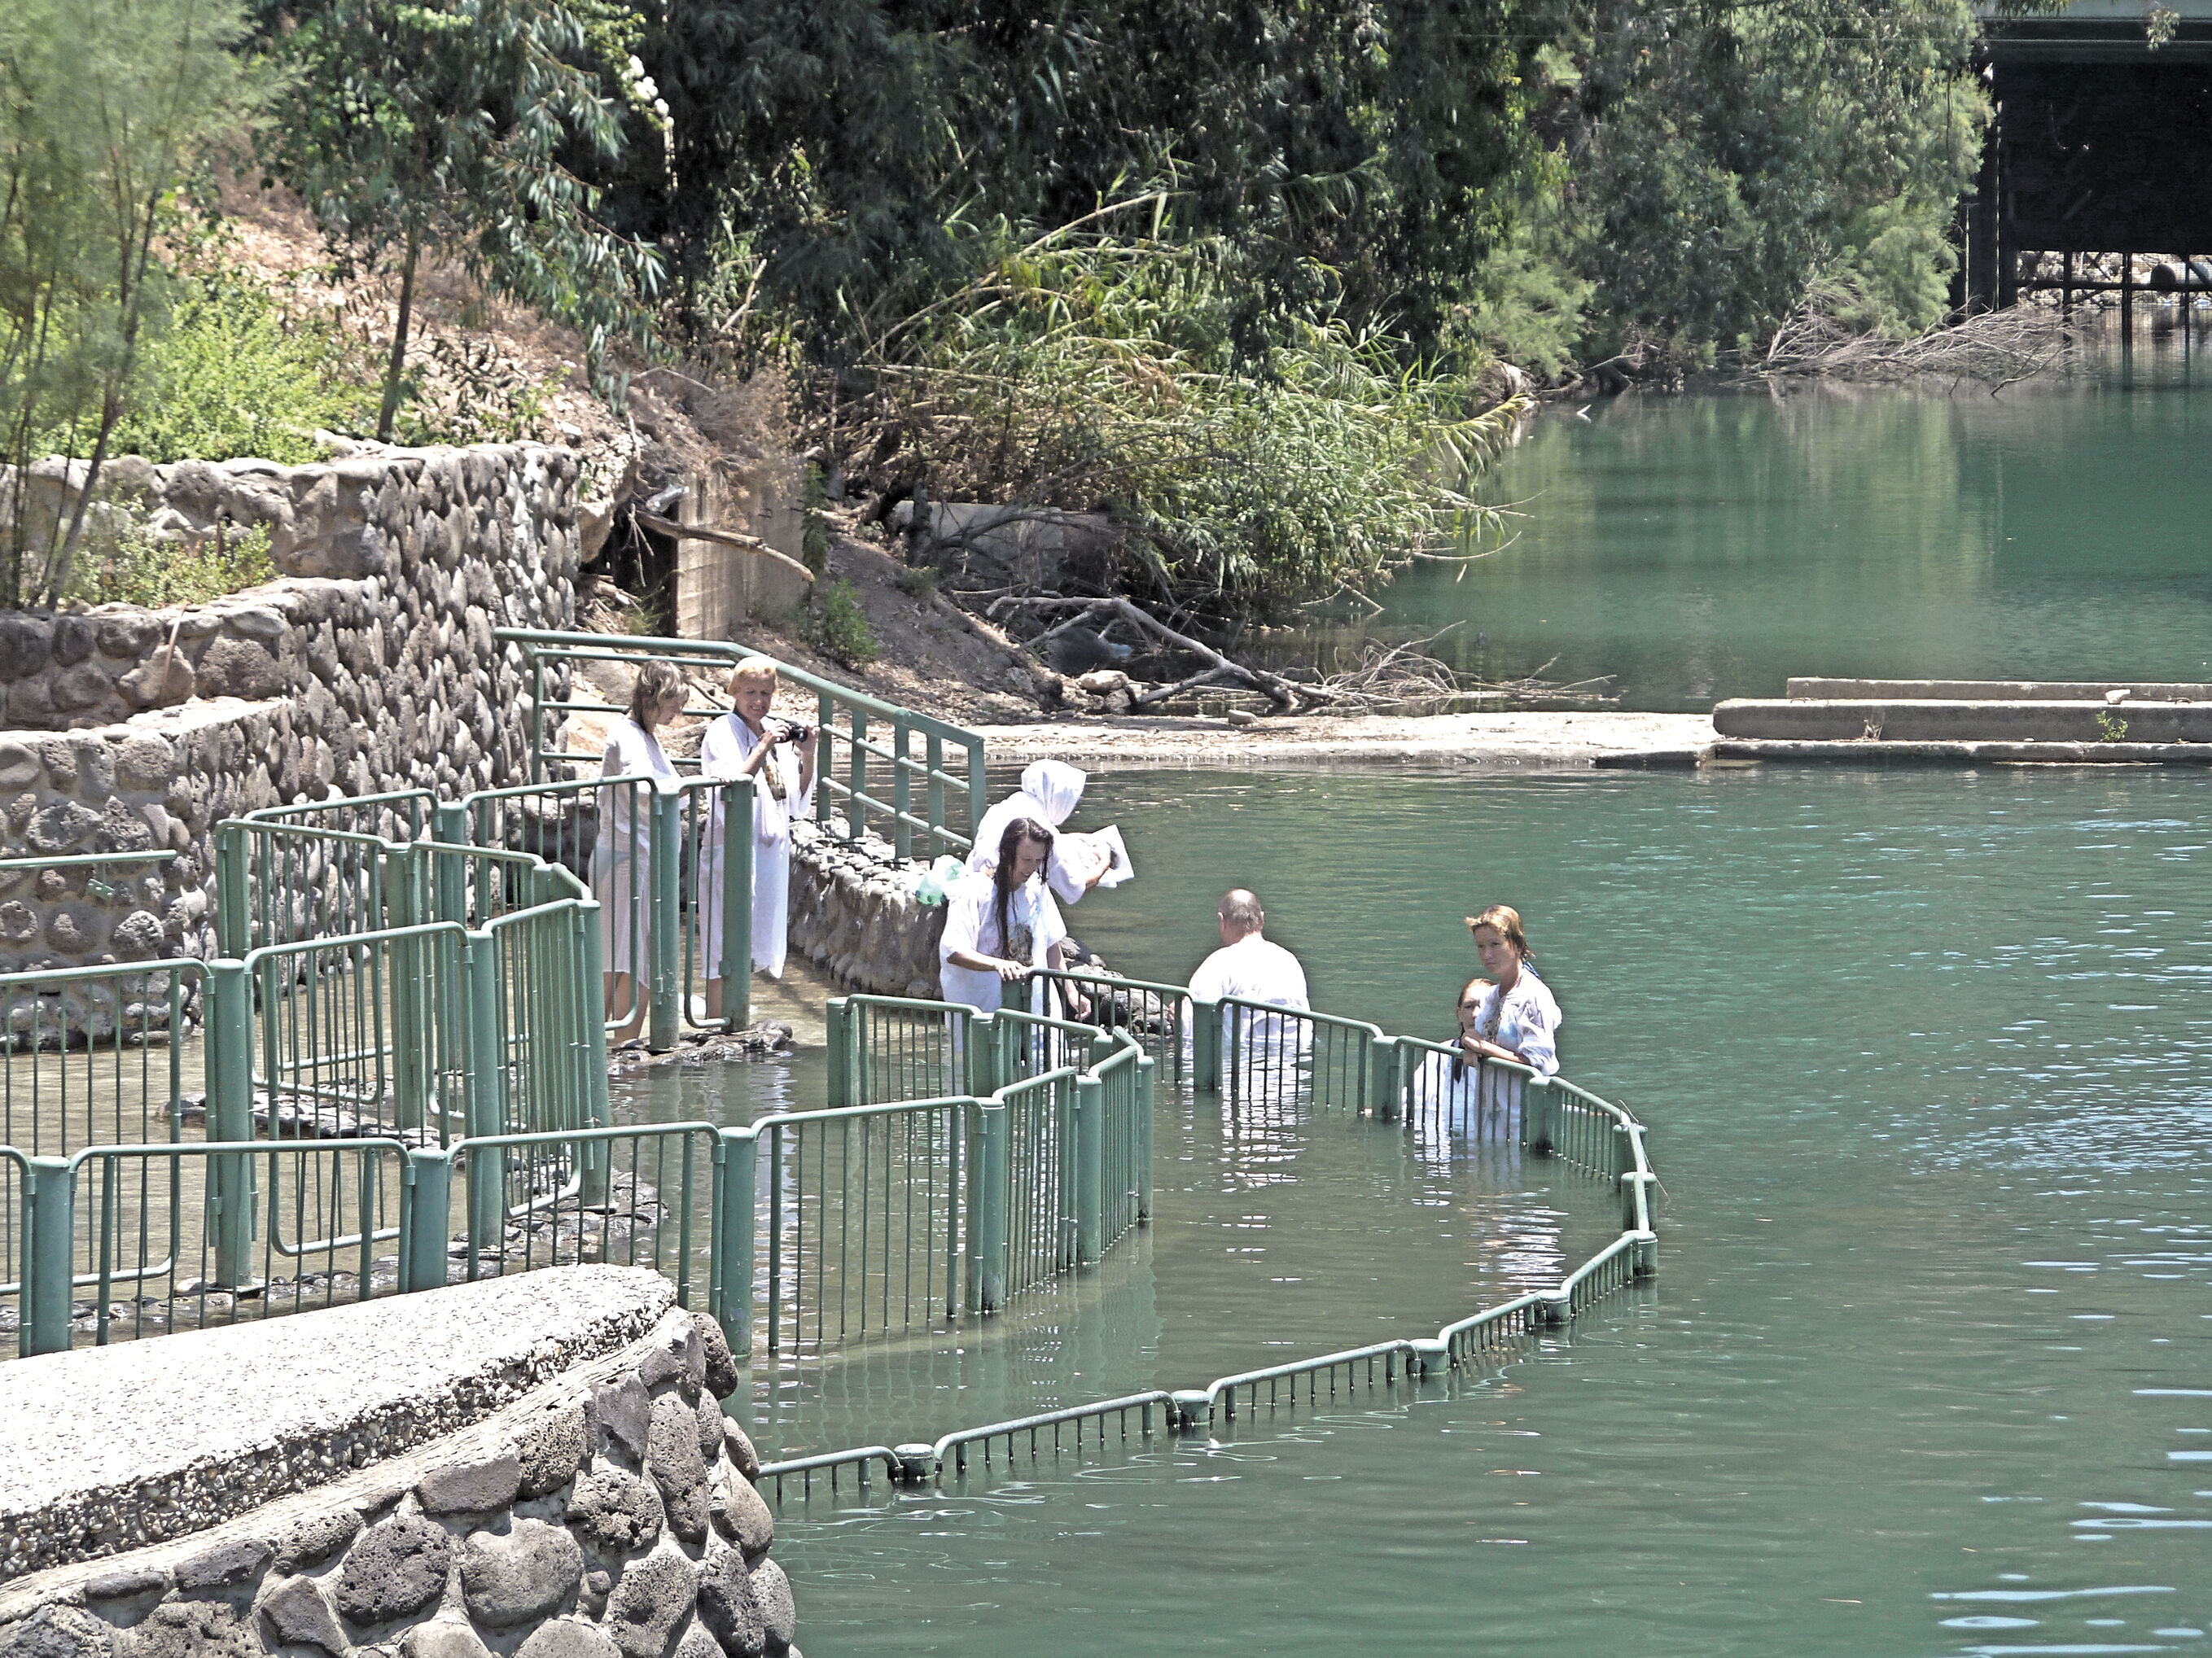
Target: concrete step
(1961, 720)
(1865, 753)
(1993, 690)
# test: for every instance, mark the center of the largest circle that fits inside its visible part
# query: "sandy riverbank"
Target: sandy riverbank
(1526, 742)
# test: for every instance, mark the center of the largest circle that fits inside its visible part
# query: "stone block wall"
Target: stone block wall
(608, 1514)
(853, 912)
(369, 666)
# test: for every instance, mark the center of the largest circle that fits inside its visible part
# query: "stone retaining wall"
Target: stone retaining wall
(853, 912)
(608, 1513)
(369, 667)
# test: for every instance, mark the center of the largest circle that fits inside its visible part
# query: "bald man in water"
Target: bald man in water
(1247, 965)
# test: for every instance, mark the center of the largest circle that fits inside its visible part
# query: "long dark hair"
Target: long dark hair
(1002, 877)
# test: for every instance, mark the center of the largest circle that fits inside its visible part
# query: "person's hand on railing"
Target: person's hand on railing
(1475, 1049)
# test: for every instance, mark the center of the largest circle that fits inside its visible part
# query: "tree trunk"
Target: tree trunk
(398, 363)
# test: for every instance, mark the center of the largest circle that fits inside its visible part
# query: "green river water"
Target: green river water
(1928, 1365)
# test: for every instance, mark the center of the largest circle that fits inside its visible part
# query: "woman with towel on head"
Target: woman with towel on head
(622, 862)
(1049, 790)
(748, 742)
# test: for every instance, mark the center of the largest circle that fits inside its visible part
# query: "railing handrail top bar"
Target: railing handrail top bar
(560, 644)
(1057, 1074)
(1049, 1418)
(1277, 1372)
(1157, 986)
(66, 860)
(349, 940)
(847, 1113)
(606, 1132)
(344, 837)
(339, 803)
(831, 1460)
(1066, 1027)
(870, 999)
(377, 1142)
(1625, 1240)
(1491, 1315)
(103, 970)
(1339, 1020)
(515, 918)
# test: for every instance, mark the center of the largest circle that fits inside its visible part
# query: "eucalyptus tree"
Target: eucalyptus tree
(455, 129)
(105, 107)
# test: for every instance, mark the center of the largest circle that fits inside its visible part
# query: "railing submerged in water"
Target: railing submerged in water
(1267, 1058)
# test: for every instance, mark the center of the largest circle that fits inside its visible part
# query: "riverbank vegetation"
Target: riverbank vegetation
(1260, 281)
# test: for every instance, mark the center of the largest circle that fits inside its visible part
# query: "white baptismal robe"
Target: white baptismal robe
(777, 799)
(622, 861)
(1525, 1019)
(971, 923)
(1254, 970)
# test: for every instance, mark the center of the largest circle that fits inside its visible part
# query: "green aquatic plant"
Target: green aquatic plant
(2111, 728)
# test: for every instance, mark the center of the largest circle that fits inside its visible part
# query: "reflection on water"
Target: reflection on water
(1703, 547)
(1928, 1345)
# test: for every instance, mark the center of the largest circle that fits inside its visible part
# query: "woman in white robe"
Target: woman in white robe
(747, 743)
(1049, 794)
(1000, 928)
(1519, 1019)
(622, 861)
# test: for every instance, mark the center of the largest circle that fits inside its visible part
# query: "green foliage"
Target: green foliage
(107, 106)
(454, 128)
(837, 628)
(1727, 160)
(133, 567)
(242, 370)
(920, 585)
(1082, 370)
(2111, 728)
(814, 528)
(827, 151)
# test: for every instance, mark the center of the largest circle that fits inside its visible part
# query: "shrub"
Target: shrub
(241, 371)
(1090, 373)
(839, 630)
(136, 567)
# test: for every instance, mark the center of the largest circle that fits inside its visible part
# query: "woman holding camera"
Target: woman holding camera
(778, 756)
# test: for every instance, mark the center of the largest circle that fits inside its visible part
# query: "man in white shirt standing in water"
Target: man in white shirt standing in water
(1247, 965)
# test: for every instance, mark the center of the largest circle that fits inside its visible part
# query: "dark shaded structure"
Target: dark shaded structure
(2103, 145)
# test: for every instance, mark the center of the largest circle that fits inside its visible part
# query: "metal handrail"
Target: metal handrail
(543, 647)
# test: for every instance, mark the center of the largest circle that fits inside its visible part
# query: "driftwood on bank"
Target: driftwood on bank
(1220, 670)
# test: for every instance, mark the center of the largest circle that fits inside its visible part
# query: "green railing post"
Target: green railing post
(47, 1301)
(987, 1267)
(230, 1062)
(487, 1080)
(856, 774)
(1090, 1138)
(596, 1155)
(901, 793)
(410, 1086)
(1147, 1079)
(665, 920)
(932, 752)
(1205, 1047)
(233, 928)
(986, 1072)
(449, 879)
(422, 1242)
(1385, 1085)
(837, 1032)
(730, 1298)
(736, 967)
(1537, 1126)
(978, 789)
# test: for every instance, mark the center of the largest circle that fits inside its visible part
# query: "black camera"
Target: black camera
(799, 734)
